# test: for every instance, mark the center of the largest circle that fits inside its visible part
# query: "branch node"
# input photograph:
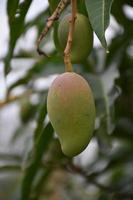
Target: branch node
(55, 16)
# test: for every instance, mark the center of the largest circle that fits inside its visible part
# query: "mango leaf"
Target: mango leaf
(40, 147)
(104, 110)
(12, 7)
(42, 180)
(16, 16)
(41, 117)
(55, 158)
(118, 12)
(98, 12)
(81, 7)
(124, 130)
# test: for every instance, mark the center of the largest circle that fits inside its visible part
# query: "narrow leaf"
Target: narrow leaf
(40, 120)
(103, 108)
(12, 7)
(40, 147)
(16, 16)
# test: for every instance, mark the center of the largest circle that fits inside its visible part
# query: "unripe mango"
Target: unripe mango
(82, 38)
(71, 110)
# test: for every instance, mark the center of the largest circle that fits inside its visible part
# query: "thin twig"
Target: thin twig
(115, 191)
(89, 179)
(67, 51)
(13, 98)
(62, 4)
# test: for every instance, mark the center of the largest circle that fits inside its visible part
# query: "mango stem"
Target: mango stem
(67, 51)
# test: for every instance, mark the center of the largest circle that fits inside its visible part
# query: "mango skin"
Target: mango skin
(82, 38)
(71, 110)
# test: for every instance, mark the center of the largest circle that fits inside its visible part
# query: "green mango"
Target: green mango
(71, 110)
(82, 38)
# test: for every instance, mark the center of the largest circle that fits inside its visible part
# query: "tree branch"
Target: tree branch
(62, 4)
(13, 98)
(114, 191)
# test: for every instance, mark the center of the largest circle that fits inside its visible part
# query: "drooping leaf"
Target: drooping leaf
(81, 8)
(117, 48)
(55, 158)
(12, 7)
(103, 108)
(27, 110)
(16, 17)
(40, 148)
(99, 13)
(40, 120)
(119, 14)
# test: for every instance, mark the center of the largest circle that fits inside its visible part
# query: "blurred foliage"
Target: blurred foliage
(32, 166)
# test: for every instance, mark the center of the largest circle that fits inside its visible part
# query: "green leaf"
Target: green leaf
(116, 49)
(40, 147)
(55, 158)
(98, 12)
(81, 7)
(103, 109)
(27, 110)
(124, 130)
(11, 8)
(42, 181)
(16, 16)
(41, 117)
(119, 14)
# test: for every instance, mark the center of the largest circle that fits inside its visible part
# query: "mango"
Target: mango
(71, 110)
(82, 38)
